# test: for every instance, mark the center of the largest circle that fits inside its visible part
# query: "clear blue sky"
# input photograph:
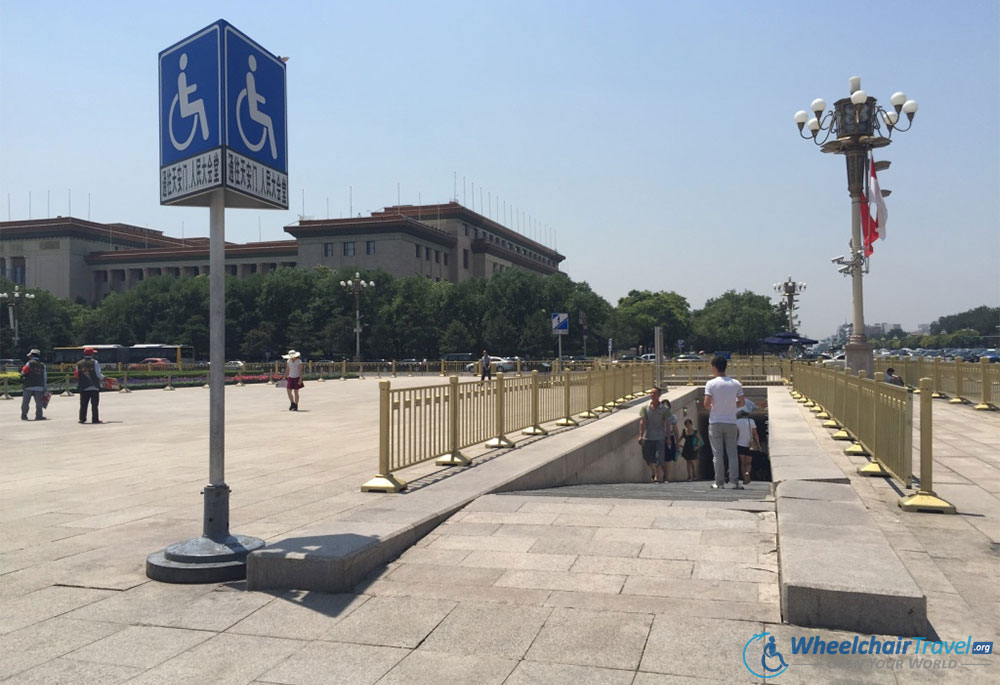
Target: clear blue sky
(654, 138)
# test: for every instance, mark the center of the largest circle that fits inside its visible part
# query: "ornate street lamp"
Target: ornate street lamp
(14, 300)
(853, 128)
(790, 290)
(356, 285)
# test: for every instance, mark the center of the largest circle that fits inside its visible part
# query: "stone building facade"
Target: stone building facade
(85, 260)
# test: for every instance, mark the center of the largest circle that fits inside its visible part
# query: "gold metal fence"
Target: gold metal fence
(436, 422)
(877, 416)
(961, 382)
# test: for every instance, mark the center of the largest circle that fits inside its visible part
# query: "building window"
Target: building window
(418, 251)
(427, 254)
(437, 257)
(348, 249)
(465, 229)
(446, 259)
(465, 259)
(370, 247)
(327, 249)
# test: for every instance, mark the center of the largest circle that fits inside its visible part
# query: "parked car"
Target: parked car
(235, 364)
(496, 364)
(688, 358)
(10, 365)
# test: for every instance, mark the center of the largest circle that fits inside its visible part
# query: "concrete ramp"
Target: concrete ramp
(837, 569)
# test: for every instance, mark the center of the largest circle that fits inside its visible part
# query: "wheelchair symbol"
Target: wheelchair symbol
(254, 100)
(188, 108)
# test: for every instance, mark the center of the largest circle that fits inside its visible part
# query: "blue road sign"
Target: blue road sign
(560, 323)
(223, 121)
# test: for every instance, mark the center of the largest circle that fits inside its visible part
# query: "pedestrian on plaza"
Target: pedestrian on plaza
(891, 377)
(654, 419)
(484, 368)
(723, 396)
(673, 437)
(747, 442)
(293, 378)
(88, 384)
(34, 384)
(691, 442)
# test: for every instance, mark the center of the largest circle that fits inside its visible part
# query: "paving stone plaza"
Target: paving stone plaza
(633, 583)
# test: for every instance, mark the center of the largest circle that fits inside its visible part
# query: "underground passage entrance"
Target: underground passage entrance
(633, 480)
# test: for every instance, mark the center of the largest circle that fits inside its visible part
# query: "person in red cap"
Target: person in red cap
(89, 377)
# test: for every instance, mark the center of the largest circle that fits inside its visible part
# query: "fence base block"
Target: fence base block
(566, 421)
(856, 450)
(534, 430)
(984, 406)
(498, 442)
(926, 501)
(453, 459)
(841, 435)
(588, 415)
(939, 396)
(957, 400)
(874, 469)
(382, 483)
(831, 423)
(822, 415)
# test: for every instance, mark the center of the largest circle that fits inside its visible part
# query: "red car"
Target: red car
(155, 361)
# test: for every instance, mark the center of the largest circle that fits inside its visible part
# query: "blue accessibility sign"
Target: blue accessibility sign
(560, 323)
(223, 121)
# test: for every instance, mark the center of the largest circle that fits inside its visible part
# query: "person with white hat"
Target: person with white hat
(34, 384)
(293, 378)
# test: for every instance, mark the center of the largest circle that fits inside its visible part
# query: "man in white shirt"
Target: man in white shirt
(723, 396)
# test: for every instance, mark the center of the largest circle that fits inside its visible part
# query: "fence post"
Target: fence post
(690, 366)
(567, 419)
(393, 368)
(937, 394)
(442, 369)
(384, 481)
(343, 369)
(874, 467)
(170, 381)
(361, 370)
(588, 413)
(454, 456)
(318, 380)
(959, 397)
(499, 403)
(535, 428)
(855, 448)
(925, 499)
(6, 395)
(125, 387)
(239, 378)
(986, 395)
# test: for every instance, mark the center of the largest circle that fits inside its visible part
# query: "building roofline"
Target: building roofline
(334, 228)
(82, 228)
(450, 210)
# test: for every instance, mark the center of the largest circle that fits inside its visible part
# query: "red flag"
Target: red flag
(873, 228)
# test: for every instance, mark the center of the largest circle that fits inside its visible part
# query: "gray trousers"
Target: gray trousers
(26, 396)
(722, 437)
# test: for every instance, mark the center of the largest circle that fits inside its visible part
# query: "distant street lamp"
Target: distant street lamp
(356, 285)
(790, 290)
(14, 300)
(855, 123)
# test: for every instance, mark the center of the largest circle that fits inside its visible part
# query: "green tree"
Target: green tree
(736, 322)
(641, 311)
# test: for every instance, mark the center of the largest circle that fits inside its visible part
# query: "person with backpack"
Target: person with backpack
(34, 381)
(88, 384)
